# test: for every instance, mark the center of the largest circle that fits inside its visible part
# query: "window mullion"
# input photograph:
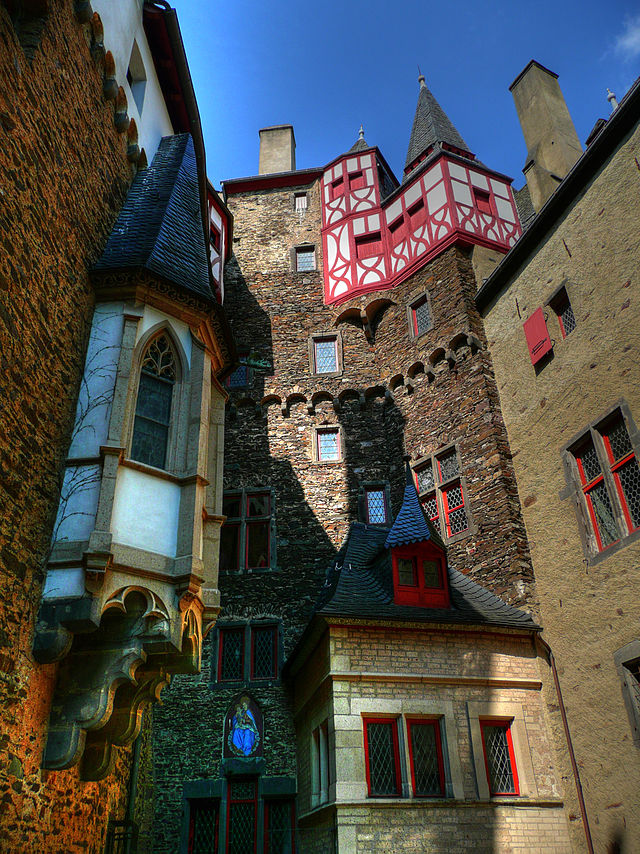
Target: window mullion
(611, 485)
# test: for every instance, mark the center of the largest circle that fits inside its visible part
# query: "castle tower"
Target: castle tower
(351, 297)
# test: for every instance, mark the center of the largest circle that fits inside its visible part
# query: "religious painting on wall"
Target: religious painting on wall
(243, 729)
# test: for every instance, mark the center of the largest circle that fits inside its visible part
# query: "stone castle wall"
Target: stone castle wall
(65, 175)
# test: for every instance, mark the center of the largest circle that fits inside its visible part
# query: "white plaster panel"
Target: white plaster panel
(436, 198)
(326, 194)
(369, 176)
(479, 180)
(352, 164)
(78, 503)
(505, 211)
(152, 317)
(500, 189)
(457, 171)
(67, 583)
(122, 22)
(394, 211)
(412, 194)
(374, 222)
(340, 289)
(332, 250)
(359, 226)
(366, 160)
(145, 512)
(462, 193)
(432, 176)
(344, 243)
(93, 409)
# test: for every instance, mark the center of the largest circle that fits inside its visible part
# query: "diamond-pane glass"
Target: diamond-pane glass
(376, 507)
(243, 790)
(424, 753)
(568, 318)
(328, 447)
(422, 316)
(601, 504)
(629, 475)
(264, 660)
(382, 764)
(633, 680)
(279, 830)
(430, 505)
(590, 462)
(326, 356)
(458, 521)
(242, 828)
(619, 440)
(151, 425)
(448, 466)
(204, 821)
(425, 478)
(231, 665)
(239, 378)
(305, 260)
(498, 759)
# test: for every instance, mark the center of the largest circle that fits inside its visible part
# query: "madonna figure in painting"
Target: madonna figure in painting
(243, 735)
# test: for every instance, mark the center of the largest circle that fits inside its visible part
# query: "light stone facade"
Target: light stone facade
(588, 597)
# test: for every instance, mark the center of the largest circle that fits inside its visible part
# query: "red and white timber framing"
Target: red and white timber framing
(369, 246)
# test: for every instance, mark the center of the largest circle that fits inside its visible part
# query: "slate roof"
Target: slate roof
(526, 211)
(360, 585)
(411, 524)
(160, 227)
(431, 126)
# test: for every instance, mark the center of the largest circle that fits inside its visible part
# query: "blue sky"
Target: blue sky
(327, 67)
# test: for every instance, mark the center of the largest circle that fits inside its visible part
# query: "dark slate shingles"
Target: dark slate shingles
(431, 125)
(411, 525)
(360, 585)
(160, 227)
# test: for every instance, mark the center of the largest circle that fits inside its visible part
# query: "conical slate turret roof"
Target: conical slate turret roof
(411, 525)
(360, 144)
(159, 227)
(431, 126)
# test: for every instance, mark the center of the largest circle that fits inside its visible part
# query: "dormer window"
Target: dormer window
(420, 576)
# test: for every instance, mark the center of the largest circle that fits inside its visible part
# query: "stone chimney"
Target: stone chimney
(277, 150)
(552, 142)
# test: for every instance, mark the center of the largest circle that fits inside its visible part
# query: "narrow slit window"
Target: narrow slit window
(153, 406)
(499, 757)
(382, 757)
(376, 506)
(562, 307)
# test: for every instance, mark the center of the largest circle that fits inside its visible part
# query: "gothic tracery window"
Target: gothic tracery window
(153, 407)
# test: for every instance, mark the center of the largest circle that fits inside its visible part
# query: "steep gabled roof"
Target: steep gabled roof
(360, 144)
(360, 585)
(159, 227)
(431, 126)
(411, 524)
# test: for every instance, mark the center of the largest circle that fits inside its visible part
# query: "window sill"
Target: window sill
(594, 559)
(144, 468)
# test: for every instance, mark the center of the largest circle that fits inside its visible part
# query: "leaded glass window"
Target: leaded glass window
(382, 757)
(264, 652)
(328, 445)
(231, 665)
(424, 476)
(326, 355)
(448, 465)
(153, 406)
(562, 307)
(421, 316)
(279, 821)
(305, 259)
(427, 769)
(500, 762)
(441, 493)
(242, 817)
(376, 506)
(203, 827)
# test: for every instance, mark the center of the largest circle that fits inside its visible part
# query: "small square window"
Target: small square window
(214, 236)
(325, 354)
(369, 245)
(328, 445)
(420, 316)
(416, 214)
(356, 181)
(482, 200)
(305, 259)
(337, 188)
(300, 202)
(499, 757)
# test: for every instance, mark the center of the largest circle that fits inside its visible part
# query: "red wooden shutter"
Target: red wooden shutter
(538, 341)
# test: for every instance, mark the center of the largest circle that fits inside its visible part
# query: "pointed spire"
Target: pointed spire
(431, 126)
(611, 98)
(360, 144)
(411, 525)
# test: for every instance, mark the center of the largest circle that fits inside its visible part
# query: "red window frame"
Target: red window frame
(397, 230)
(395, 746)
(336, 188)
(435, 723)
(369, 245)
(225, 632)
(482, 201)
(292, 825)
(506, 724)
(214, 237)
(419, 594)
(333, 339)
(588, 486)
(322, 459)
(448, 509)
(616, 465)
(414, 316)
(253, 800)
(416, 214)
(274, 631)
(200, 805)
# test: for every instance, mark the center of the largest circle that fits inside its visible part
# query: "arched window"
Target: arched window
(153, 407)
